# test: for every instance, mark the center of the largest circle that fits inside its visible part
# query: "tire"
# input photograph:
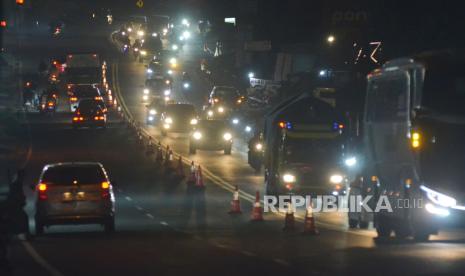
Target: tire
(39, 227)
(227, 151)
(384, 227)
(353, 223)
(109, 225)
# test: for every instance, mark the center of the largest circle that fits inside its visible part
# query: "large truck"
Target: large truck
(307, 139)
(83, 68)
(414, 149)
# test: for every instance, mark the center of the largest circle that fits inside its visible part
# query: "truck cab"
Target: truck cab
(414, 133)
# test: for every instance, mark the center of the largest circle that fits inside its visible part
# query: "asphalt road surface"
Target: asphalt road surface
(167, 227)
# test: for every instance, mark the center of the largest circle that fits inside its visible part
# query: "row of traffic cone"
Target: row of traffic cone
(195, 176)
(289, 220)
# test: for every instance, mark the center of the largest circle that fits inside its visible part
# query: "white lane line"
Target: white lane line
(128, 198)
(149, 216)
(40, 260)
(139, 208)
(281, 262)
(248, 253)
(164, 223)
(220, 245)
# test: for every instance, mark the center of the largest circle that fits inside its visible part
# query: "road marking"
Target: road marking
(216, 179)
(164, 223)
(149, 216)
(40, 260)
(248, 253)
(139, 208)
(281, 262)
(128, 198)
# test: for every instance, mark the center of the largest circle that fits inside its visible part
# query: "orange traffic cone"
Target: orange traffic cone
(191, 178)
(309, 223)
(289, 220)
(199, 178)
(257, 211)
(180, 167)
(235, 203)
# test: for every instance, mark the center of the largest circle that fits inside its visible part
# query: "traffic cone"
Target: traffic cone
(191, 178)
(181, 167)
(289, 220)
(235, 203)
(257, 211)
(159, 158)
(309, 223)
(199, 178)
(150, 150)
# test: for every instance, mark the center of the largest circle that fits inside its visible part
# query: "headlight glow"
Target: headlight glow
(129, 29)
(248, 129)
(145, 97)
(150, 118)
(168, 120)
(167, 92)
(143, 52)
(197, 135)
(173, 61)
(438, 198)
(146, 91)
(154, 34)
(194, 121)
(150, 71)
(436, 210)
(288, 178)
(170, 72)
(258, 146)
(336, 178)
(220, 109)
(186, 34)
(350, 162)
(186, 85)
(227, 136)
(174, 47)
(140, 33)
(210, 113)
(153, 112)
(235, 121)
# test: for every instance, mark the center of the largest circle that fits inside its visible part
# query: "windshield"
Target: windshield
(212, 125)
(157, 84)
(85, 91)
(226, 93)
(180, 110)
(69, 175)
(300, 150)
(444, 91)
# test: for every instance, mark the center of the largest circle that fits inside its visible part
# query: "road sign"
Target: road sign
(140, 3)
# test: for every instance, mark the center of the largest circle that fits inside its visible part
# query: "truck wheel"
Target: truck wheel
(39, 227)
(109, 225)
(227, 151)
(384, 227)
(353, 223)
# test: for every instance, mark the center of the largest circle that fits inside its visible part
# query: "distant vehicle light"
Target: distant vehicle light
(416, 140)
(210, 113)
(248, 129)
(235, 121)
(350, 162)
(186, 34)
(153, 112)
(258, 146)
(289, 178)
(220, 109)
(146, 91)
(129, 29)
(42, 187)
(186, 85)
(336, 178)
(145, 97)
(105, 185)
(140, 33)
(150, 118)
(166, 126)
(143, 52)
(227, 136)
(173, 61)
(167, 99)
(150, 71)
(251, 75)
(167, 81)
(169, 120)
(154, 34)
(167, 92)
(185, 22)
(197, 135)
(194, 121)
(175, 47)
(170, 72)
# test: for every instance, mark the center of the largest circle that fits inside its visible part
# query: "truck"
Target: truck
(414, 149)
(83, 68)
(307, 138)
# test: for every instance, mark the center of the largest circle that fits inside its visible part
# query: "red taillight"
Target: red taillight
(51, 104)
(42, 191)
(105, 189)
(98, 98)
(73, 99)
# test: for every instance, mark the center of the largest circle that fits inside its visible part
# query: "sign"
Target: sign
(258, 46)
(140, 3)
(231, 20)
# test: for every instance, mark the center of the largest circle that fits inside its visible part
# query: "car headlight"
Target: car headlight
(173, 61)
(174, 47)
(439, 198)
(143, 52)
(166, 126)
(170, 72)
(258, 146)
(150, 118)
(129, 29)
(146, 91)
(186, 34)
(227, 136)
(167, 98)
(145, 97)
(336, 178)
(248, 129)
(150, 71)
(197, 135)
(140, 33)
(235, 121)
(210, 113)
(169, 120)
(194, 121)
(154, 34)
(289, 178)
(350, 162)
(167, 81)
(167, 92)
(186, 85)
(153, 112)
(220, 109)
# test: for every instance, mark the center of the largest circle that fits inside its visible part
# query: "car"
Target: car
(155, 69)
(158, 87)
(226, 96)
(80, 92)
(178, 117)
(89, 113)
(211, 135)
(74, 193)
(154, 110)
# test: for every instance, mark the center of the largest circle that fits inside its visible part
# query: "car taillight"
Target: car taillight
(99, 118)
(98, 98)
(105, 189)
(51, 104)
(78, 118)
(73, 99)
(42, 191)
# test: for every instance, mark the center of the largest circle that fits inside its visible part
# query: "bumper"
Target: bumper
(75, 219)
(89, 123)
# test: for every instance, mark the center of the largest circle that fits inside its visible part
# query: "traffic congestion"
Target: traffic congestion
(210, 137)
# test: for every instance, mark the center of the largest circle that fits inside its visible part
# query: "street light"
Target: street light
(330, 39)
